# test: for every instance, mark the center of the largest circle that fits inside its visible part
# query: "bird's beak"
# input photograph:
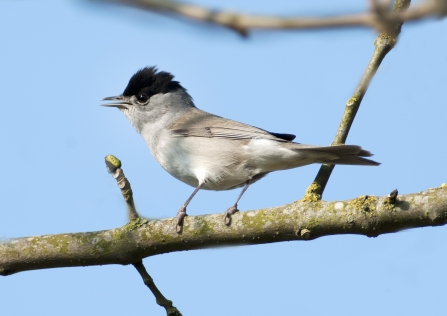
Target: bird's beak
(122, 104)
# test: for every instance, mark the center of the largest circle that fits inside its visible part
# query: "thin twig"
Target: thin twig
(383, 44)
(378, 18)
(114, 167)
(159, 298)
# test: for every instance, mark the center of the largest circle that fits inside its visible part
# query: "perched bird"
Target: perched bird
(210, 152)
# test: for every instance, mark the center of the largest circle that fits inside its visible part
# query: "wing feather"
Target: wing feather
(198, 123)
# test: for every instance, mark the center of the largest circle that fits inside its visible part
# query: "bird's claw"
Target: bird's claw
(230, 211)
(181, 214)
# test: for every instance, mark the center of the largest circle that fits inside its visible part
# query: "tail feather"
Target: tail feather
(353, 160)
(342, 155)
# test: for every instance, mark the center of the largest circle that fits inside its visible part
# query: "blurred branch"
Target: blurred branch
(378, 18)
(384, 42)
(366, 215)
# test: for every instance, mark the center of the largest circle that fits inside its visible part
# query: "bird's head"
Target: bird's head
(149, 96)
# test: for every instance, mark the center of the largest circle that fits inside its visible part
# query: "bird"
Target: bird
(209, 152)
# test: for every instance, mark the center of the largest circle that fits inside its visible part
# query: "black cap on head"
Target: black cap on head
(151, 81)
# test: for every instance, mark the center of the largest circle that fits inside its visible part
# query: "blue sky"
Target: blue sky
(59, 58)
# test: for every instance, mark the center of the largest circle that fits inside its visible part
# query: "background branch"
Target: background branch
(366, 215)
(242, 23)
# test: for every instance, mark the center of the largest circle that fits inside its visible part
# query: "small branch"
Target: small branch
(114, 167)
(160, 299)
(242, 23)
(366, 215)
(383, 44)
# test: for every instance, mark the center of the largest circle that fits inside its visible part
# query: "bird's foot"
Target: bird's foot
(230, 211)
(181, 214)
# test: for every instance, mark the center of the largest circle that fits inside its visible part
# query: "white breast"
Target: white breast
(195, 160)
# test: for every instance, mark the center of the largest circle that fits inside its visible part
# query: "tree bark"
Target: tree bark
(366, 215)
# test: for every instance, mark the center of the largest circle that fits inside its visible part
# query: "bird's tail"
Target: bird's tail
(341, 155)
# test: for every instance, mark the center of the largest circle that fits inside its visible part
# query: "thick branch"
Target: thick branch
(383, 44)
(242, 23)
(370, 216)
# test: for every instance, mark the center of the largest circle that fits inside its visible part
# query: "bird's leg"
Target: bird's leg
(181, 214)
(233, 209)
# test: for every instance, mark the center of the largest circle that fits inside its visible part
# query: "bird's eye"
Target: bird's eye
(142, 98)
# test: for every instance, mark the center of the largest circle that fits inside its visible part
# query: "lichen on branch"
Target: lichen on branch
(301, 220)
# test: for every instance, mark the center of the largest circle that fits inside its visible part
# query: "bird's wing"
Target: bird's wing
(198, 123)
(231, 133)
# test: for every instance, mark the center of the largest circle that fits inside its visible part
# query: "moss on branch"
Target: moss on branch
(300, 220)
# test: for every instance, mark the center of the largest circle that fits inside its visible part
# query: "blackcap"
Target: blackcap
(210, 152)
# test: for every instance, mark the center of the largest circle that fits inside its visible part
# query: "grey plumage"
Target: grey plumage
(210, 152)
(197, 123)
